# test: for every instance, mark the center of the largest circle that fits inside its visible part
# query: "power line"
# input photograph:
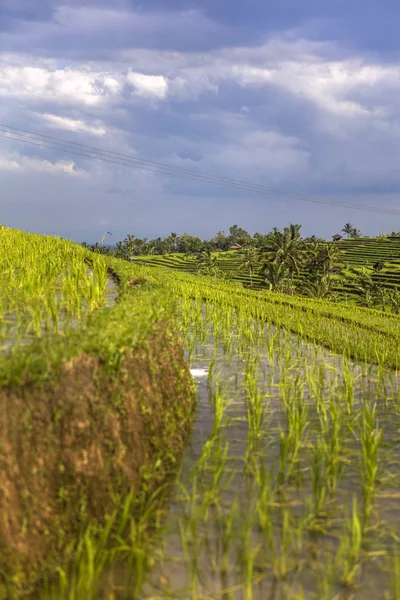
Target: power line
(192, 172)
(176, 171)
(202, 175)
(54, 143)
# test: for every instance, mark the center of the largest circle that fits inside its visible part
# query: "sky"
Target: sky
(297, 94)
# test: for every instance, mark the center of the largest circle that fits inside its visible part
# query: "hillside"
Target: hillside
(357, 253)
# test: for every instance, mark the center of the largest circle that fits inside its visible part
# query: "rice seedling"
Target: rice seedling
(48, 284)
(371, 437)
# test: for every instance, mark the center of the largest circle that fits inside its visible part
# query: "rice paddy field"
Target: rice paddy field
(363, 252)
(289, 485)
(47, 285)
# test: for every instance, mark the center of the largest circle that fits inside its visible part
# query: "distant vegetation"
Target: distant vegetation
(358, 269)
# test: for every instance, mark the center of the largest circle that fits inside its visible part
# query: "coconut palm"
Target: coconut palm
(325, 257)
(372, 293)
(206, 259)
(394, 299)
(348, 229)
(286, 248)
(173, 240)
(251, 261)
(275, 275)
(321, 288)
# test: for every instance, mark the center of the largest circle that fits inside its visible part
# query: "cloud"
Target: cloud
(276, 104)
(89, 31)
(328, 84)
(30, 164)
(148, 86)
(57, 122)
(77, 86)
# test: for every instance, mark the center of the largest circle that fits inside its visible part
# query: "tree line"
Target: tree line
(283, 260)
(191, 244)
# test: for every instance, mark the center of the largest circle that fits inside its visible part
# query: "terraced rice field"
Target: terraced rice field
(289, 488)
(367, 251)
(357, 253)
(80, 372)
(47, 285)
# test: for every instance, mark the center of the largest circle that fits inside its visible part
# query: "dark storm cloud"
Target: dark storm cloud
(301, 95)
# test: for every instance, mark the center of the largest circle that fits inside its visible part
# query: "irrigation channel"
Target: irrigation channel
(290, 487)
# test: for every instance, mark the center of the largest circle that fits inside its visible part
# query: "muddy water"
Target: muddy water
(306, 377)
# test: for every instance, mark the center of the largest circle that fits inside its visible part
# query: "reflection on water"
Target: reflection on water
(254, 517)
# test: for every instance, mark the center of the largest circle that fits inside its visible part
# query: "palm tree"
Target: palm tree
(251, 260)
(348, 229)
(275, 274)
(321, 288)
(286, 248)
(207, 259)
(328, 257)
(394, 298)
(174, 240)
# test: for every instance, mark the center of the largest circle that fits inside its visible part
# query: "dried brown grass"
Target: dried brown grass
(71, 448)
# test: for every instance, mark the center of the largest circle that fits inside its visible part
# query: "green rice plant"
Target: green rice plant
(220, 403)
(266, 500)
(333, 440)
(371, 438)
(283, 559)
(348, 387)
(349, 553)
(319, 477)
(48, 284)
(189, 531)
(247, 552)
(395, 575)
(293, 437)
(227, 522)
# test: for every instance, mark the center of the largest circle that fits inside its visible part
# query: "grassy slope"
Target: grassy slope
(83, 416)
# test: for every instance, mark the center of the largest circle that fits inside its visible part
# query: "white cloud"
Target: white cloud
(347, 88)
(7, 164)
(191, 86)
(57, 122)
(66, 86)
(148, 86)
(328, 84)
(30, 164)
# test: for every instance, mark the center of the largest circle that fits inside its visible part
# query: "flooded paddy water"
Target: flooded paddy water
(290, 487)
(16, 328)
